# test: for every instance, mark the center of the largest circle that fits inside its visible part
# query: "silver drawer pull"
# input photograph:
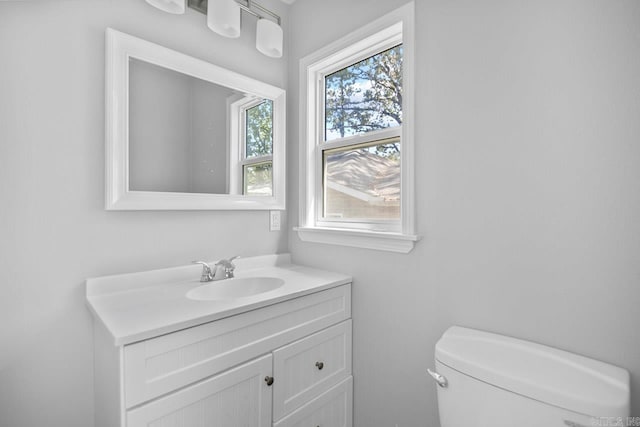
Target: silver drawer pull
(442, 381)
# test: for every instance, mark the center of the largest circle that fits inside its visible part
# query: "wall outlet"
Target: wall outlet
(274, 221)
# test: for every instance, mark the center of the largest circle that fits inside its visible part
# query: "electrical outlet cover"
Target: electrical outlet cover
(274, 220)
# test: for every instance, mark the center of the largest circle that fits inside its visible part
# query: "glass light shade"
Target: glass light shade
(171, 6)
(269, 38)
(223, 17)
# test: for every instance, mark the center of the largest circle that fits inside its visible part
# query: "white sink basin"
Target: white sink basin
(240, 287)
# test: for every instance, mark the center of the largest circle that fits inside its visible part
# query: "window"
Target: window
(252, 146)
(361, 166)
(358, 138)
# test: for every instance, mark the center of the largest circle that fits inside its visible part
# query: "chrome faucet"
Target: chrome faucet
(207, 273)
(222, 269)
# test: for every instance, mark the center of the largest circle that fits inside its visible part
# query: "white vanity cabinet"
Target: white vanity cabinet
(279, 365)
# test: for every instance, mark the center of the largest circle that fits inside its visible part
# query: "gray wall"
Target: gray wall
(54, 231)
(209, 145)
(177, 131)
(528, 190)
(159, 128)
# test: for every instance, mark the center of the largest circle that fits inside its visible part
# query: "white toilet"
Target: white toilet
(495, 381)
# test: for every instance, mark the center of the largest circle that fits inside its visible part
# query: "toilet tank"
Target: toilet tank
(498, 381)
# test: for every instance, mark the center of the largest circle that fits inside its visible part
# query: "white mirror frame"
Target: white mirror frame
(120, 47)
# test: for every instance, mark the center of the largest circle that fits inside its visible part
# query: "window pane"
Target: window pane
(363, 182)
(258, 179)
(259, 129)
(364, 96)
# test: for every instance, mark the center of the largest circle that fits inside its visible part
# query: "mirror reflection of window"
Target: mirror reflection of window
(257, 170)
(259, 129)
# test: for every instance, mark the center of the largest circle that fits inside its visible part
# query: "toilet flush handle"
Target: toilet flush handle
(442, 381)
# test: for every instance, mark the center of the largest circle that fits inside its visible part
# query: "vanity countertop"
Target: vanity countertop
(136, 306)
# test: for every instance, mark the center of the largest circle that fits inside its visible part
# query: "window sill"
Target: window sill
(391, 242)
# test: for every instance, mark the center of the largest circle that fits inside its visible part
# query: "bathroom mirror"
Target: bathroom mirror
(182, 133)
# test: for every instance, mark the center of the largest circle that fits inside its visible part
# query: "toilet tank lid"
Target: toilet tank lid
(552, 376)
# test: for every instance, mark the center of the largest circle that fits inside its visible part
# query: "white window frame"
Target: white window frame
(392, 29)
(237, 109)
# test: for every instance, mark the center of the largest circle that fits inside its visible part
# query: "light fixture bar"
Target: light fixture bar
(248, 6)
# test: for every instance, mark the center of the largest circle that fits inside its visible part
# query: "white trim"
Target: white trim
(408, 140)
(391, 242)
(120, 47)
(391, 29)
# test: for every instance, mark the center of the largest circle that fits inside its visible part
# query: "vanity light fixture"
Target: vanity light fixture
(223, 17)
(269, 38)
(170, 6)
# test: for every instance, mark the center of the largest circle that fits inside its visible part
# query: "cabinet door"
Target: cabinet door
(239, 397)
(308, 367)
(331, 409)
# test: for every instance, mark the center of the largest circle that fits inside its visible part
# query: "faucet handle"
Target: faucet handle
(207, 272)
(228, 266)
(227, 262)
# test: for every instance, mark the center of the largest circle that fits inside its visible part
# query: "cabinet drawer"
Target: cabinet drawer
(160, 365)
(331, 409)
(238, 397)
(309, 367)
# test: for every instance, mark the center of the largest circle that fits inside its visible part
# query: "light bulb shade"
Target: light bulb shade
(171, 6)
(223, 17)
(269, 38)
